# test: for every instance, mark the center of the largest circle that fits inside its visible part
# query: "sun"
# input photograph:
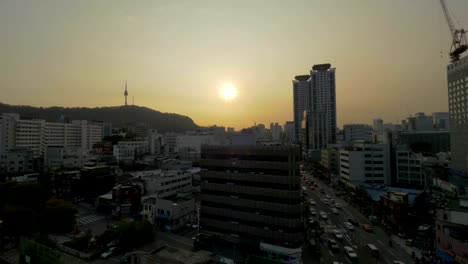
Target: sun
(228, 91)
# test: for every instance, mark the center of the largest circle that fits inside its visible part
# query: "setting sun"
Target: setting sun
(228, 92)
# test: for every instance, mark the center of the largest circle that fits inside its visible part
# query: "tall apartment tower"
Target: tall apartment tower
(323, 106)
(457, 77)
(253, 193)
(301, 94)
(316, 94)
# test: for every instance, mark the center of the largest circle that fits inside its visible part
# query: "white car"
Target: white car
(323, 215)
(337, 234)
(109, 252)
(349, 226)
(338, 206)
(350, 253)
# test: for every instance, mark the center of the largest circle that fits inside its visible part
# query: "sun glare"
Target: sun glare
(228, 92)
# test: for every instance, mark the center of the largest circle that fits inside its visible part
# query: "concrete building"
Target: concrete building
(170, 140)
(164, 184)
(36, 135)
(457, 77)
(170, 213)
(452, 230)
(126, 151)
(440, 120)
(16, 162)
(353, 132)
(252, 193)
(420, 122)
(395, 210)
(365, 163)
(64, 157)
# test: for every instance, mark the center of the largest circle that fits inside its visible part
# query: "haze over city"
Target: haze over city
(390, 56)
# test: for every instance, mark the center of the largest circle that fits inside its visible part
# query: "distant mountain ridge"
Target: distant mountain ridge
(117, 115)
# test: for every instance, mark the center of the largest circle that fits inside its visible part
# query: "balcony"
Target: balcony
(231, 188)
(253, 204)
(271, 220)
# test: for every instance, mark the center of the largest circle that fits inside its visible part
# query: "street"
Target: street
(356, 239)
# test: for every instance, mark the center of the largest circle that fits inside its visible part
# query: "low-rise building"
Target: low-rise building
(395, 210)
(170, 213)
(164, 183)
(330, 159)
(353, 132)
(127, 151)
(64, 157)
(452, 230)
(16, 162)
(126, 200)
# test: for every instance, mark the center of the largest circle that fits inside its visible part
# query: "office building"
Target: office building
(353, 132)
(457, 77)
(289, 133)
(365, 163)
(252, 193)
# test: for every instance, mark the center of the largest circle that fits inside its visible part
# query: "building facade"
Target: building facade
(16, 162)
(37, 135)
(365, 163)
(457, 77)
(253, 193)
(301, 101)
(353, 132)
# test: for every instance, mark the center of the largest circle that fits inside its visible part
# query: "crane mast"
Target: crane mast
(459, 43)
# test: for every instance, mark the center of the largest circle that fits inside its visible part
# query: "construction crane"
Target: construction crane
(459, 44)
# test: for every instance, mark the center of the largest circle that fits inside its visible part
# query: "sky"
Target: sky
(390, 55)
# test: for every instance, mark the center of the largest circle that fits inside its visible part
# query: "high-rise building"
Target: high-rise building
(275, 130)
(378, 124)
(253, 193)
(323, 106)
(316, 94)
(440, 120)
(457, 77)
(301, 99)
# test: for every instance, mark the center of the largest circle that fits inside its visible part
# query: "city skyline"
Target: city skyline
(80, 54)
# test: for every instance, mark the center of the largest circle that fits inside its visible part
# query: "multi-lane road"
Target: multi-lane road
(358, 238)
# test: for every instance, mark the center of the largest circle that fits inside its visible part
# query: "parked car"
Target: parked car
(109, 252)
(338, 206)
(350, 254)
(368, 228)
(323, 215)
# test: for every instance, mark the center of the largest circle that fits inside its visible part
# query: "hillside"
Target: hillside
(117, 115)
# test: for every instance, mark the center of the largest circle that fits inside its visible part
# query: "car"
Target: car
(323, 215)
(368, 228)
(109, 252)
(333, 245)
(313, 213)
(303, 188)
(312, 202)
(409, 242)
(321, 190)
(327, 196)
(374, 251)
(350, 254)
(325, 201)
(353, 221)
(397, 262)
(349, 226)
(335, 211)
(127, 257)
(338, 234)
(338, 206)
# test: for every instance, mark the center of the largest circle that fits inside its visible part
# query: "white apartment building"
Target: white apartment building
(353, 132)
(365, 163)
(165, 183)
(125, 151)
(37, 135)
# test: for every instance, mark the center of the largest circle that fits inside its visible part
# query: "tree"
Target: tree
(58, 215)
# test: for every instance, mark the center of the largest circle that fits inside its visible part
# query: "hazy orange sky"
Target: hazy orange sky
(175, 54)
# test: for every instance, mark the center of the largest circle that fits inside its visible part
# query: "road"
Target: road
(358, 238)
